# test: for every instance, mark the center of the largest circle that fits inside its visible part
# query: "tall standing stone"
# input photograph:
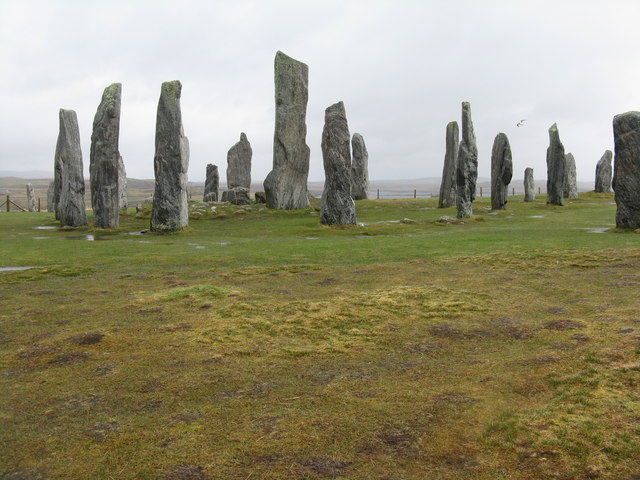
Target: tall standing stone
(570, 178)
(501, 172)
(171, 161)
(239, 164)
(626, 169)
(556, 169)
(31, 198)
(70, 203)
(448, 185)
(603, 173)
(50, 203)
(286, 185)
(529, 185)
(337, 206)
(123, 201)
(103, 160)
(467, 165)
(359, 168)
(211, 184)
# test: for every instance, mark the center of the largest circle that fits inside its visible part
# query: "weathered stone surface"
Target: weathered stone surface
(467, 166)
(70, 203)
(337, 208)
(103, 159)
(123, 201)
(260, 197)
(529, 185)
(31, 198)
(171, 162)
(626, 169)
(604, 173)
(286, 185)
(359, 168)
(556, 169)
(501, 172)
(50, 192)
(237, 196)
(211, 183)
(448, 185)
(239, 164)
(570, 179)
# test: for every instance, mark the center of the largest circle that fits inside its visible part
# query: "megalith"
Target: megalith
(570, 178)
(626, 169)
(286, 185)
(211, 183)
(103, 160)
(70, 203)
(603, 173)
(501, 172)
(448, 186)
(337, 207)
(555, 168)
(123, 201)
(359, 168)
(467, 165)
(529, 185)
(50, 203)
(31, 198)
(171, 161)
(239, 164)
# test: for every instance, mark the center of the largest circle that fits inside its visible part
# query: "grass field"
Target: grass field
(260, 345)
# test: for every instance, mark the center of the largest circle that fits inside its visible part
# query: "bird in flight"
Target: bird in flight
(521, 122)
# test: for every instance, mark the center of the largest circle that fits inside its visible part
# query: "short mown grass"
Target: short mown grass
(259, 344)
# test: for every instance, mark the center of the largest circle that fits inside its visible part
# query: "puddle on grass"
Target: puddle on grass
(91, 238)
(18, 269)
(535, 216)
(596, 229)
(44, 227)
(312, 238)
(40, 238)
(133, 233)
(222, 243)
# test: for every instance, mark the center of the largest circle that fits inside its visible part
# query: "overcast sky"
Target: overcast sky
(402, 68)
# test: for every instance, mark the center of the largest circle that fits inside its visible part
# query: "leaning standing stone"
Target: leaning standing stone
(211, 183)
(239, 164)
(359, 168)
(570, 179)
(50, 203)
(70, 204)
(529, 185)
(467, 166)
(501, 172)
(448, 186)
(123, 202)
(31, 198)
(337, 207)
(103, 160)
(170, 209)
(286, 185)
(555, 168)
(626, 169)
(603, 173)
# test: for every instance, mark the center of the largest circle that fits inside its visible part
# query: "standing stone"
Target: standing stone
(260, 197)
(603, 173)
(103, 160)
(70, 203)
(286, 185)
(570, 180)
(626, 169)
(467, 166)
(337, 207)
(501, 172)
(556, 169)
(359, 168)
(448, 186)
(170, 211)
(57, 183)
(239, 164)
(31, 198)
(123, 202)
(211, 183)
(529, 185)
(50, 203)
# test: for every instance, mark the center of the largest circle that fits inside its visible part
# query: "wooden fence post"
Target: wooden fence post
(8, 203)
(38, 204)
(378, 194)
(415, 193)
